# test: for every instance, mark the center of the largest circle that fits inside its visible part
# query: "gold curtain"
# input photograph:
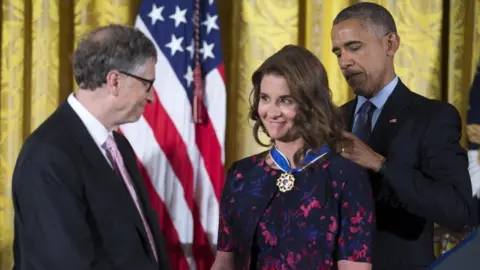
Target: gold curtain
(439, 50)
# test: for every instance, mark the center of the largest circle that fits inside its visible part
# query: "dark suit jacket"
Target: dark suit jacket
(71, 210)
(426, 180)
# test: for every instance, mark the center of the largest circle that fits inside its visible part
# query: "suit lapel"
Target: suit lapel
(108, 180)
(142, 194)
(131, 165)
(391, 118)
(90, 149)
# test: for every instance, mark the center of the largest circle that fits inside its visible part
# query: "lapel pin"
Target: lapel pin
(393, 121)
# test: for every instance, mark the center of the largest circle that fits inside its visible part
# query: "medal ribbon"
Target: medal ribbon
(282, 162)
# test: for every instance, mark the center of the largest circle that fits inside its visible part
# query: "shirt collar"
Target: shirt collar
(96, 129)
(380, 99)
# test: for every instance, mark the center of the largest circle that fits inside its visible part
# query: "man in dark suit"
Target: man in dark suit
(473, 134)
(79, 198)
(410, 144)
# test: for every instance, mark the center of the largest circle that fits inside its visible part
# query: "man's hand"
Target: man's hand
(355, 150)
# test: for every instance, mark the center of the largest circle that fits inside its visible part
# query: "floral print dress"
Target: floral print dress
(328, 216)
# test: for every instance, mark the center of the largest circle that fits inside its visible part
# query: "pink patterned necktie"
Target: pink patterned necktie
(117, 162)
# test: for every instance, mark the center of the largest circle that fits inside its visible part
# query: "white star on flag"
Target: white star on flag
(189, 76)
(179, 16)
(156, 14)
(210, 23)
(175, 45)
(207, 50)
(190, 50)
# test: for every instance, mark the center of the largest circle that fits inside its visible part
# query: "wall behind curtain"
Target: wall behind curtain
(438, 53)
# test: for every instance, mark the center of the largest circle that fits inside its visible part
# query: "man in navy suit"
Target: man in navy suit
(410, 144)
(473, 133)
(80, 201)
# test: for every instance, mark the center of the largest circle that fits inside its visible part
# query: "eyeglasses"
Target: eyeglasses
(143, 80)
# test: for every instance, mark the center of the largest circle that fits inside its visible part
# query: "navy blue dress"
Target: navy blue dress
(328, 216)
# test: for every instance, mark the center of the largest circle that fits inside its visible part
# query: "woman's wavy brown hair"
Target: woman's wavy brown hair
(318, 121)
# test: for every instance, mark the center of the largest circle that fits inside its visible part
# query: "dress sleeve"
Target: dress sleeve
(357, 214)
(225, 240)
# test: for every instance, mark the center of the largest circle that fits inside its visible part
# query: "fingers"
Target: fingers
(351, 137)
(346, 155)
(348, 135)
(346, 146)
(349, 145)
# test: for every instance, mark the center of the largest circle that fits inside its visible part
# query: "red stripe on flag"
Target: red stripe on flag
(174, 247)
(211, 152)
(202, 250)
(210, 148)
(221, 70)
(175, 150)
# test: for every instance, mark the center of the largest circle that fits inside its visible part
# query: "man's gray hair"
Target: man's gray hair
(112, 47)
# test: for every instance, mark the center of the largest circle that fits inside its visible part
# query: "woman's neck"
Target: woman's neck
(288, 149)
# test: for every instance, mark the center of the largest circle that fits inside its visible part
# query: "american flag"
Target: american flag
(181, 160)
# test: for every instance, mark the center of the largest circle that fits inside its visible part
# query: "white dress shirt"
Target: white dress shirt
(96, 129)
(378, 100)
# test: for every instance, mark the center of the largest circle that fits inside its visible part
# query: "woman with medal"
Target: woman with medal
(299, 205)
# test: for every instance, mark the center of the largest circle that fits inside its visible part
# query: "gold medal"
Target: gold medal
(285, 182)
